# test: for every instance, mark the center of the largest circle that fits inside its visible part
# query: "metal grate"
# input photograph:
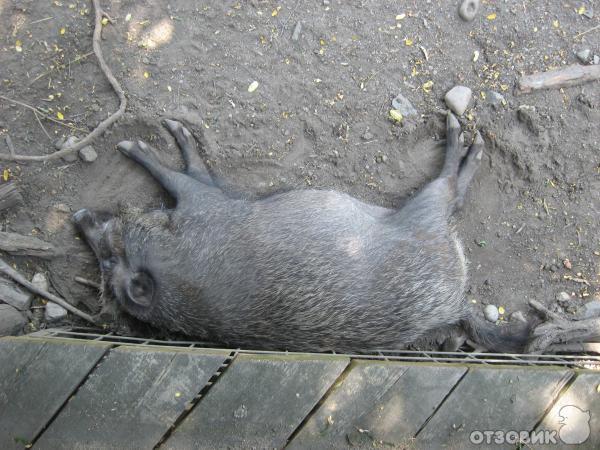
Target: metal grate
(578, 360)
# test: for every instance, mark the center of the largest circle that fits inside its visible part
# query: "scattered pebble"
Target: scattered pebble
(491, 313)
(403, 105)
(54, 312)
(589, 12)
(567, 264)
(583, 55)
(367, 136)
(468, 10)
(88, 154)
(381, 158)
(253, 86)
(590, 310)
(495, 99)
(596, 59)
(297, 31)
(518, 316)
(458, 99)
(563, 297)
(11, 321)
(71, 140)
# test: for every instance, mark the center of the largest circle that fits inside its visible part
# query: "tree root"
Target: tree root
(558, 330)
(102, 126)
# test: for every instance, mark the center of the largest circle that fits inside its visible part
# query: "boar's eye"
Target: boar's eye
(140, 289)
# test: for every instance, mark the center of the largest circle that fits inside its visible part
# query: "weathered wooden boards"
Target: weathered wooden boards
(36, 379)
(131, 399)
(493, 399)
(258, 402)
(378, 404)
(72, 394)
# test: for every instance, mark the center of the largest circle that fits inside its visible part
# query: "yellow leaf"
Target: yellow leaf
(427, 86)
(501, 309)
(253, 86)
(322, 42)
(104, 21)
(598, 388)
(128, 17)
(581, 10)
(396, 115)
(146, 75)
(62, 31)
(400, 16)
(60, 115)
(5, 174)
(275, 11)
(491, 16)
(555, 23)
(18, 46)
(408, 42)
(475, 55)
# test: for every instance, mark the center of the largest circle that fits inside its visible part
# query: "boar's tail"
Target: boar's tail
(511, 338)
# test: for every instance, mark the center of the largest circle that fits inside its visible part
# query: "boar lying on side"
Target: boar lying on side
(306, 270)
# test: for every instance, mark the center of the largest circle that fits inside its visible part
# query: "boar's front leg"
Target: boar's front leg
(178, 184)
(194, 166)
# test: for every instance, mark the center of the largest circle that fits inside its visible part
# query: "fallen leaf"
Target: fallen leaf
(475, 55)
(104, 21)
(18, 46)
(128, 17)
(253, 86)
(501, 309)
(146, 75)
(427, 86)
(396, 115)
(60, 115)
(5, 174)
(555, 23)
(491, 16)
(62, 31)
(408, 42)
(400, 16)
(581, 10)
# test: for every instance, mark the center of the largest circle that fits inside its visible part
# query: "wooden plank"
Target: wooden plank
(258, 402)
(132, 398)
(496, 398)
(36, 379)
(378, 404)
(579, 407)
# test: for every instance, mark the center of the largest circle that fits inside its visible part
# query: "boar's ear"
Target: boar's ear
(140, 289)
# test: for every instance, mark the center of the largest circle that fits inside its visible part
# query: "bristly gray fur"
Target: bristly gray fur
(302, 270)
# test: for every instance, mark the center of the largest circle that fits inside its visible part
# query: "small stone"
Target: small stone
(367, 136)
(518, 316)
(71, 157)
(495, 99)
(589, 12)
(590, 310)
(403, 105)
(458, 99)
(596, 60)
(468, 10)
(88, 154)
(567, 264)
(297, 31)
(54, 312)
(145, 60)
(326, 2)
(491, 313)
(563, 297)
(11, 321)
(583, 55)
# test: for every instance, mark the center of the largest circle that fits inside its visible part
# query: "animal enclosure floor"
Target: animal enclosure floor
(70, 393)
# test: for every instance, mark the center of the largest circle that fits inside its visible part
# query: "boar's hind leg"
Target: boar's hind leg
(177, 184)
(468, 167)
(195, 167)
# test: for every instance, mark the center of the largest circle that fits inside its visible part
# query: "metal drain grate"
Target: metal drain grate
(578, 360)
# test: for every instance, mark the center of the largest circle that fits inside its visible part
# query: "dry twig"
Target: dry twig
(102, 126)
(572, 75)
(12, 273)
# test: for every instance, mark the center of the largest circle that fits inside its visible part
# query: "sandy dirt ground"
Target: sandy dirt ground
(318, 118)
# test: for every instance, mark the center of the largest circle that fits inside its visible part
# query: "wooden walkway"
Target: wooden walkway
(75, 394)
